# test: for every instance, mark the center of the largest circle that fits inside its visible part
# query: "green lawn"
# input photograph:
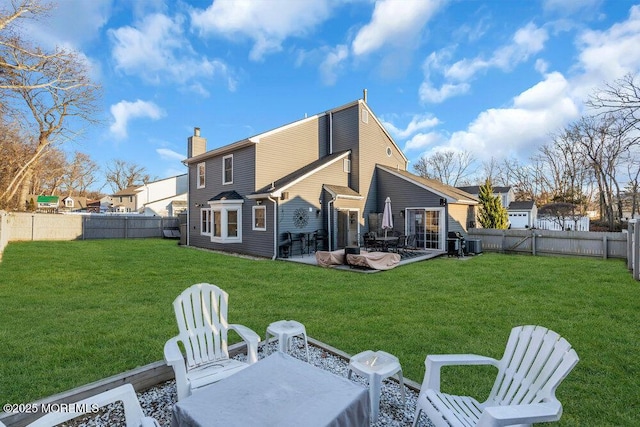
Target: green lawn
(75, 312)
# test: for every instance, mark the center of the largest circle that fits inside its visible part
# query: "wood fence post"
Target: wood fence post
(604, 247)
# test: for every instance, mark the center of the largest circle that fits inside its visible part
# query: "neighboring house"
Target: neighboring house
(506, 194)
(329, 171)
(99, 206)
(73, 204)
(165, 197)
(47, 204)
(522, 214)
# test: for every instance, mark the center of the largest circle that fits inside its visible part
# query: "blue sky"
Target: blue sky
(493, 78)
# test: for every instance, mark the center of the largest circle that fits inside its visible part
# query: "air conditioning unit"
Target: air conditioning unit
(474, 246)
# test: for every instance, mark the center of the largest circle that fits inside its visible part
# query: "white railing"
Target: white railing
(564, 224)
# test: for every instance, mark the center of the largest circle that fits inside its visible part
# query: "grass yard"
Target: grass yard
(76, 312)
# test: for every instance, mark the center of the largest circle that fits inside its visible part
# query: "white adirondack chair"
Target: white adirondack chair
(535, 361)
(201, 312)
(134, 416)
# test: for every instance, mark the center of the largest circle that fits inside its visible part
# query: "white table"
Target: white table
(285, 330)
(277, 391)
(376, 366)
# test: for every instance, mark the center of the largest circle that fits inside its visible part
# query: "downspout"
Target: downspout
(329, 221)
(188, 240)
(275, 229)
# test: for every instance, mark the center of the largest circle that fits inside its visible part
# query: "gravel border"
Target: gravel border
(158, 401)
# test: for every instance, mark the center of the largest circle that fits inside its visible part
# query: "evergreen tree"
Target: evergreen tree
(492, 214)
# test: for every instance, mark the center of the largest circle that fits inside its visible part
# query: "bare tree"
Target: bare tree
(46, 92)
(621, 98)
(449, 167)
(80, 174)
(122, 174)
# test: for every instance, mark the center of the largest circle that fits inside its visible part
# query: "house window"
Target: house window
(226, 221)
(205, 222)
(227, 169)
(68, 203)
(260, 218)
(201, 175)
(346, 165)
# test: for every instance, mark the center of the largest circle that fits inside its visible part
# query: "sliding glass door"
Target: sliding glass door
(428, 224)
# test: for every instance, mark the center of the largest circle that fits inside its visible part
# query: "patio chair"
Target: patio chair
(294, 238)
(201, 313)
(370, 242)
(134, 417)
(401, 246)
(412, 242)
(534, 363)
(321, 239)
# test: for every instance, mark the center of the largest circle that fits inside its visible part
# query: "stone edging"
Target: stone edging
(142, 378)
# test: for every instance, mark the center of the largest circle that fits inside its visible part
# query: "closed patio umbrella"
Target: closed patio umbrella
(387, 217)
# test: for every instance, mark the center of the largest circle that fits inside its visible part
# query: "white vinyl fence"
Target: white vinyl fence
(564, 224)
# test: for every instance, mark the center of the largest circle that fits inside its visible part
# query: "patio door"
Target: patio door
(428, 224)
(348, 228)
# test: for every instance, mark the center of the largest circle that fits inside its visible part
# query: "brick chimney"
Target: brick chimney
(196, 144)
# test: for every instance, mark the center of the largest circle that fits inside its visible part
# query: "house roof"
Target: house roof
(47, 199)
(452, 194)
(522, 205)
(226, 195)
(475, 189)
(277, 187)
(129, 191)
(341, 191)
(256, 138)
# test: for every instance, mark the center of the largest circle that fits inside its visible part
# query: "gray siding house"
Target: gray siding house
(331, 172)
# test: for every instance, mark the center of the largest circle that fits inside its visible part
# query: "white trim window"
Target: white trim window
(205, 222)
(226, 224)
(227, 169)
(201, 174)
(259, 219)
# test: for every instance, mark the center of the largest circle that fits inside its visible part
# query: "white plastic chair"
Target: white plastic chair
(201, 313)
(535, 361)
(125, 393)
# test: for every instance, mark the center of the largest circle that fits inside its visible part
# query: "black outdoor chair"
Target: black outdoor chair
(321, 239)
(294, 238)
(412, 242)
(401, 245)
(370, 242)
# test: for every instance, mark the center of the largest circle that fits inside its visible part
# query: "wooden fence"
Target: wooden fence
(549, 242)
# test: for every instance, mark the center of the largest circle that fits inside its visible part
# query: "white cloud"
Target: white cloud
(332, 63)
(429, 93)
(608, 55)
(266, 23)
(124, 111)
(421, 141)
(526, 42)
(418, 123)
(523, 127)
(395, 23)
(156, 49)
(167, 154)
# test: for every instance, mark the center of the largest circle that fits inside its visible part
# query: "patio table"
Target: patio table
(279, 390)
